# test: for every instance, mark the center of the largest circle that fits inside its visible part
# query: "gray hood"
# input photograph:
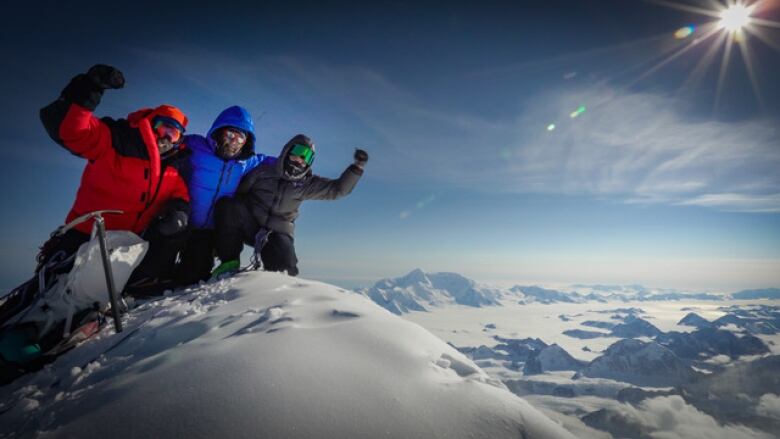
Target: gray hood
(299, 139)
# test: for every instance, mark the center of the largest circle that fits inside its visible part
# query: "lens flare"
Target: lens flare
(576, 113)
(684, 32)
(551, 127)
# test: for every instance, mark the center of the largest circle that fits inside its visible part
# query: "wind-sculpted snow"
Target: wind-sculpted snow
(266, 355)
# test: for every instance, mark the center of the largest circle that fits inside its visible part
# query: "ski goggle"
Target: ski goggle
(305, 152)
(235, 136)
(165, 129)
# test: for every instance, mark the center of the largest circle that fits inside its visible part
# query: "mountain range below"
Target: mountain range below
(420, 291)
(610, 354)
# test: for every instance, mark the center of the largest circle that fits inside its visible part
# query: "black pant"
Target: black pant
(236, 226)
(197, 257)
(278, 254)
(160, 259)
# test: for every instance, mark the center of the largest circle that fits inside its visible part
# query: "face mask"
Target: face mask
(294, 169)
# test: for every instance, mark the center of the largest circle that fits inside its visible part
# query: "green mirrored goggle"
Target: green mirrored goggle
(304, 151)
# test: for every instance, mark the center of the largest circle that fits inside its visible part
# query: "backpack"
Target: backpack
(67, 293)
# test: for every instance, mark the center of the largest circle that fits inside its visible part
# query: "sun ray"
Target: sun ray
(765, 23)
(686, 8)
(649, 60)
(639, 45)
(758, 33)
(676, 55)
(747, 56)
(724, 65)
(705, 62)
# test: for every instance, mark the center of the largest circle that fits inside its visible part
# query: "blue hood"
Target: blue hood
(237, 117)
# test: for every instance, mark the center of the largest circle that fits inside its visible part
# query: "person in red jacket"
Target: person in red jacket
(136, 165)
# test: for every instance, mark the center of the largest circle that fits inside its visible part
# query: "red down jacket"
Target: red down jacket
(124, 169)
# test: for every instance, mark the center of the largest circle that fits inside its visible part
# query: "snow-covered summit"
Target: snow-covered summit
(266, 355)
(418, 291)
(695, 320)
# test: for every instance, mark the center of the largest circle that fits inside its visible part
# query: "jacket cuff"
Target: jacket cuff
(354, 168)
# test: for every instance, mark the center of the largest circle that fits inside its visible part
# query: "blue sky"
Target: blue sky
(666, 179)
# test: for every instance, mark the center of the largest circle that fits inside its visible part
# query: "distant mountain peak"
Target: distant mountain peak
(418, 291)
(639, 362)
(416, 276)
(695, 320)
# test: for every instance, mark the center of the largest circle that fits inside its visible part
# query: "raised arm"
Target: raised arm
(320, 188)
(69, 120)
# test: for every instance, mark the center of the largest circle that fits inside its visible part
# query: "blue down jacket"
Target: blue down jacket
(214, 177)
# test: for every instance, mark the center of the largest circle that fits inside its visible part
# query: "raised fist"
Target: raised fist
(361, 157)
(106, 76)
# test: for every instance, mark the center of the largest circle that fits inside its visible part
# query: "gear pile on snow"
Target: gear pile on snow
(61, 306)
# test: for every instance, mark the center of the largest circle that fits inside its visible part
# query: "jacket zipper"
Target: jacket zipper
(216, 193)
(278, 196)
(156, 192)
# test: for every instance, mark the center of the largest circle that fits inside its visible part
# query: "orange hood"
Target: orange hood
(163, 110)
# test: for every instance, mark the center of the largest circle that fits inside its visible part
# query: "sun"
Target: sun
(735, 17)
(735, 24)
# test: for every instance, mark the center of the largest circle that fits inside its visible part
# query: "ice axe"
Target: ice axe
(99, 228)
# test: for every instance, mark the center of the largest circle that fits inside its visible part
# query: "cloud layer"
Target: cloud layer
(642, 147)
(669, 417)
(769, 405)
(639, 147)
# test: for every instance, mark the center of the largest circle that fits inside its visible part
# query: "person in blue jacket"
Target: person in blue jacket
(218, 160)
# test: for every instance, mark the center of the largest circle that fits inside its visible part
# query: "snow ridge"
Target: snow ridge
(266, 355)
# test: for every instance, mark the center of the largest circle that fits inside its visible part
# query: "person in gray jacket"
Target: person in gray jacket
(263, 212)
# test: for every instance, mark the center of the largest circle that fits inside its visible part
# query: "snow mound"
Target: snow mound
(266, 355)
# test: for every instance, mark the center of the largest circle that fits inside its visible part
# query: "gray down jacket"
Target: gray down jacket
(273, 198)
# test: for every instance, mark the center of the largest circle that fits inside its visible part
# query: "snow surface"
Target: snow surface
(266, 355)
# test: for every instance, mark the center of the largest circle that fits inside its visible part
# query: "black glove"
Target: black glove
(173, 222)
(361, 157)
(86, 89)
(106, 77)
